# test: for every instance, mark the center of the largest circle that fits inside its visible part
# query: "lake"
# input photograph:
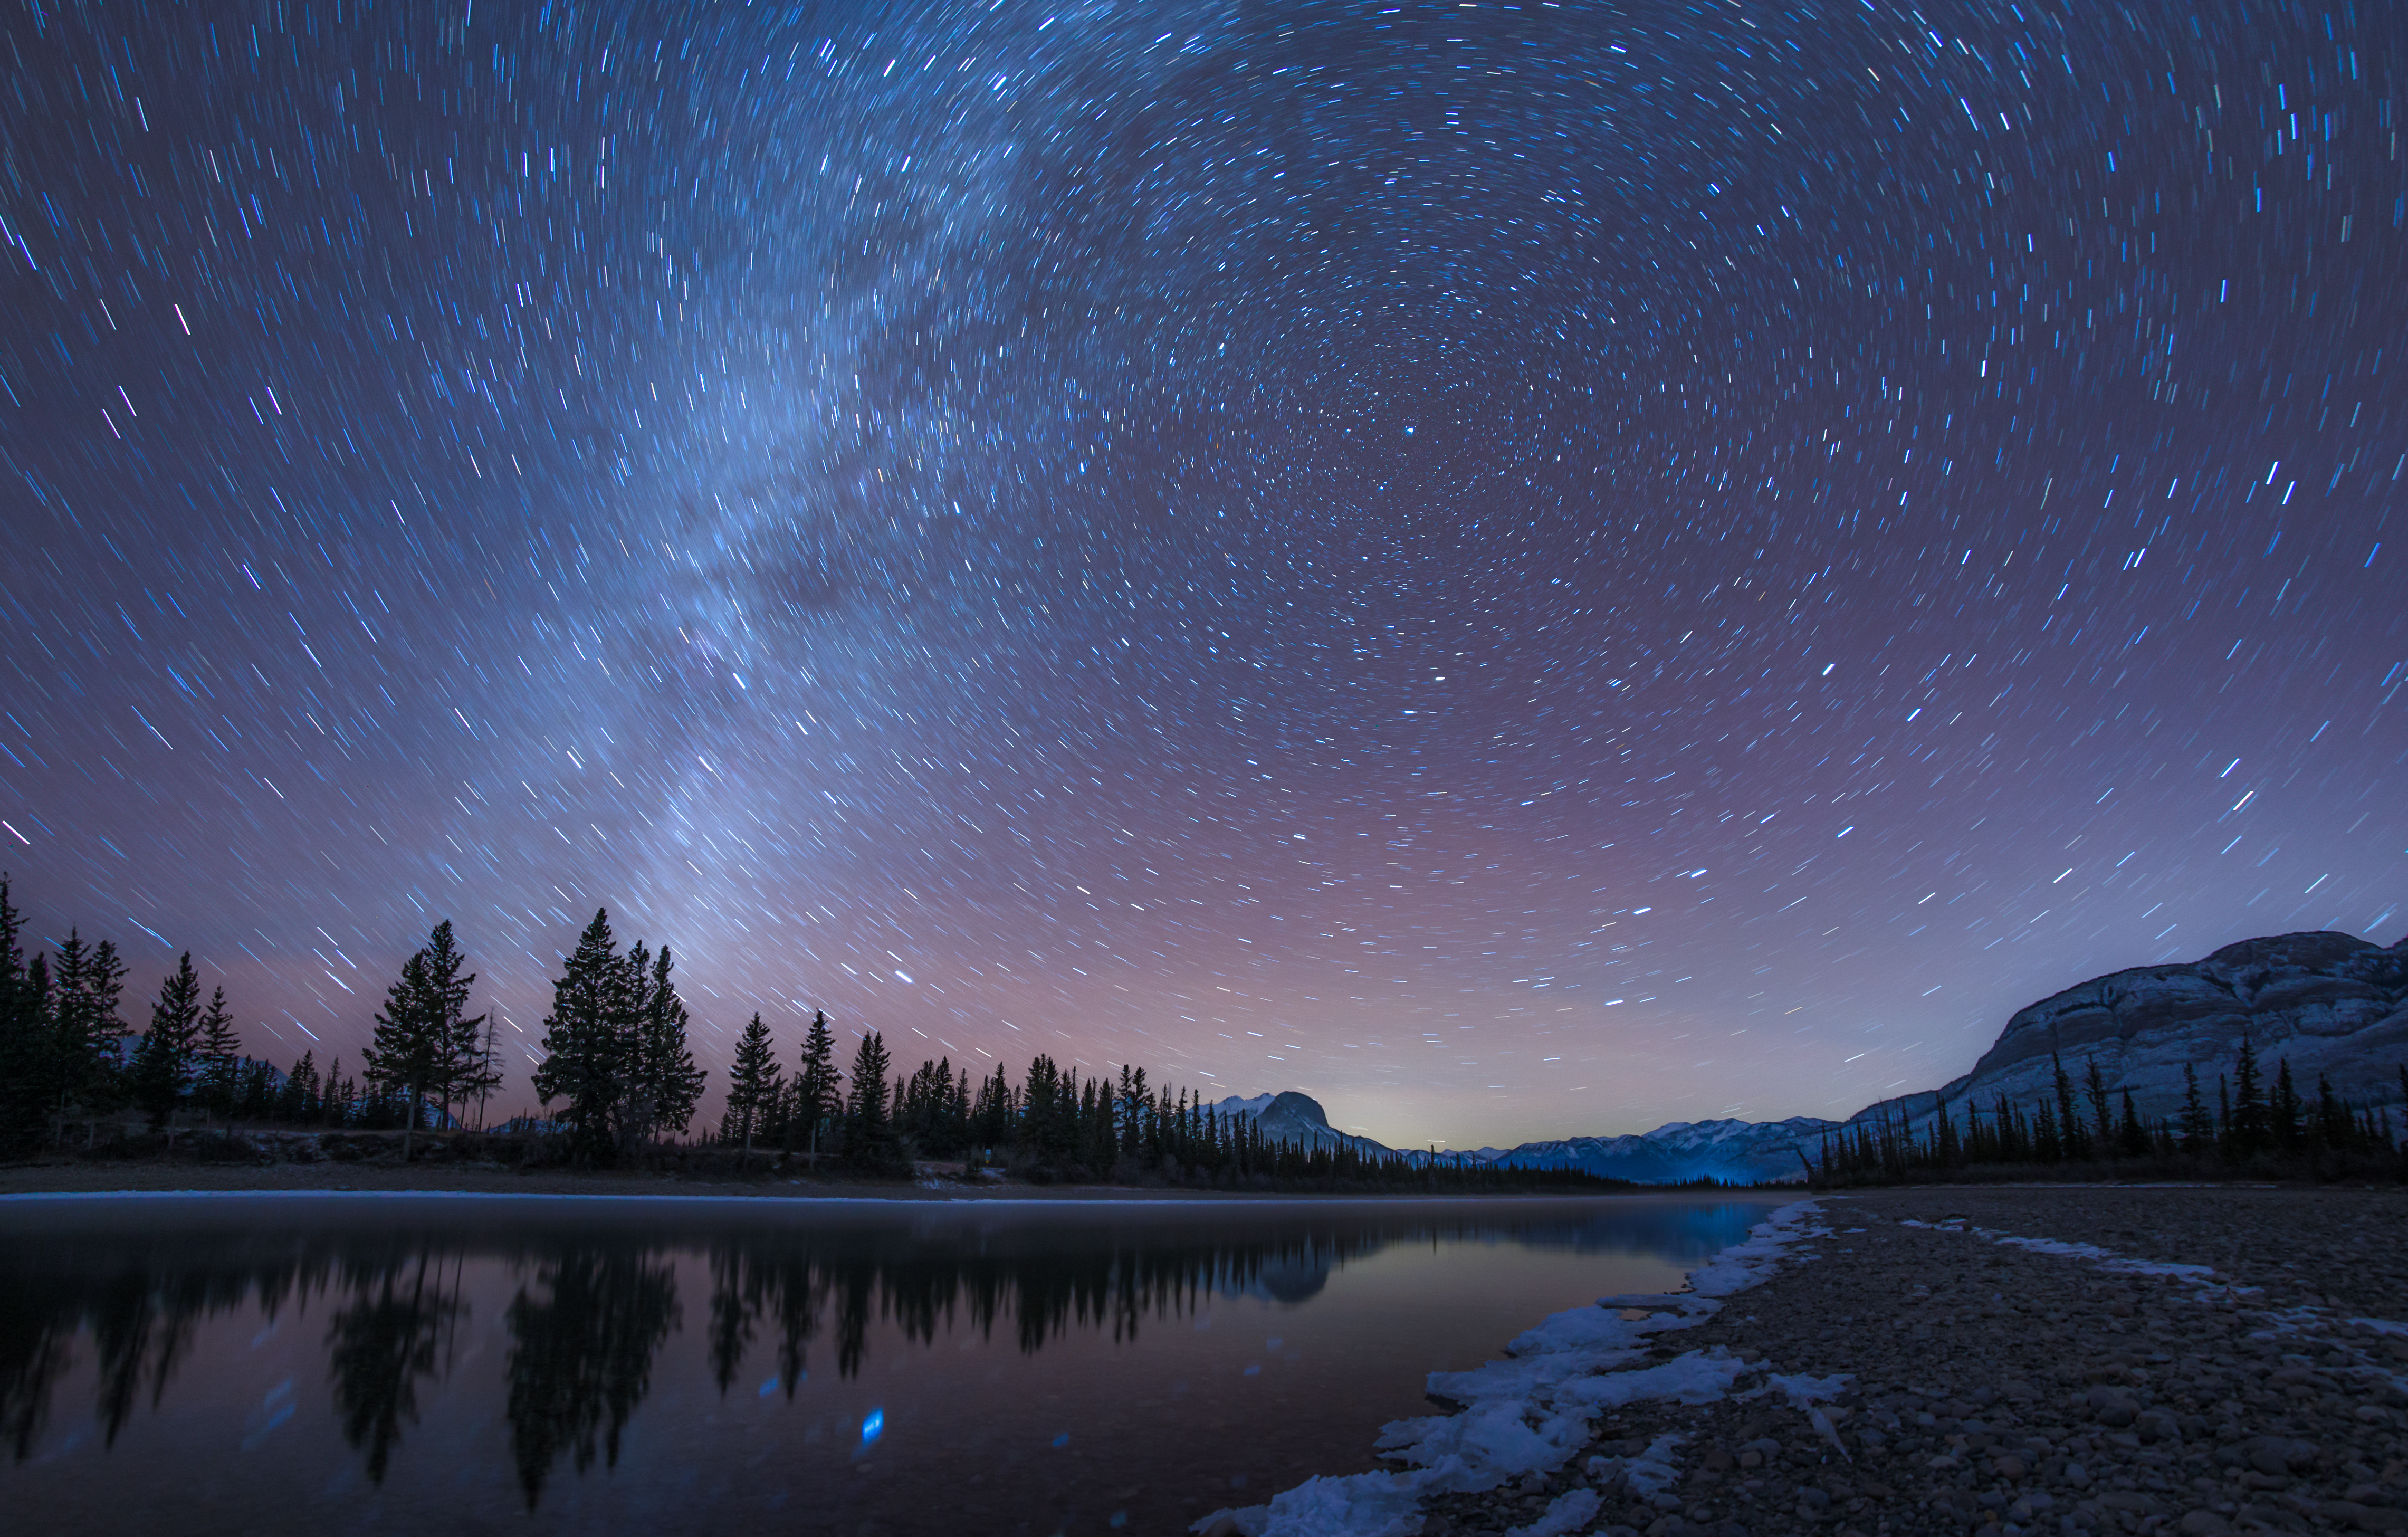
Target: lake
(538, 1364)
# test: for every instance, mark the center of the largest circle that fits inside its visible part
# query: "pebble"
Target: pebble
(2000, 1390)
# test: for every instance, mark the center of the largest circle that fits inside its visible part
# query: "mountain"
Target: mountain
(1753, 1151)
(2329, 1004)
(1297, 1118)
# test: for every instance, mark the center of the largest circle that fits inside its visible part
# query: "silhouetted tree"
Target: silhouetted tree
(2283, 1109)
(2133, 1137)
(2067, 1131)
(664, 1084)
(752, 1086)
(817, 1088)
(27, 1043)
(868, 1137)
(422, 1029)
(2102, 1119)
(162, 1069)
(88, 1034)
(585, 1039)
(2246, 1133)
(218, 1056)
(2198, 1125)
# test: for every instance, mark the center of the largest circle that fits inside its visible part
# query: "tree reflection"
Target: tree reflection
(139, 1313)
(108, 1315)
(39, 1320)
(1036, 1292)
(382, 1343)
(581, 1356)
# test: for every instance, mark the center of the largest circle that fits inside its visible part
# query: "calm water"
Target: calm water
(526, 1365)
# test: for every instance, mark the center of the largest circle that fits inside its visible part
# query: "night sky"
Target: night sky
(1522, 570)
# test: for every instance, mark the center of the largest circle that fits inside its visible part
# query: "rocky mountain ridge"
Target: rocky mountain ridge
(2330, 1004)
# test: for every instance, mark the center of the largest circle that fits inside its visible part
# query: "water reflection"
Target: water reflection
(393, 1332)
(581, 1346)
(101, 1306)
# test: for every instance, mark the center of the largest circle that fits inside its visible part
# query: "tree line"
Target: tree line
(2254, 1126)
(1055, 1124)
(616, 1039)
(618, 1080)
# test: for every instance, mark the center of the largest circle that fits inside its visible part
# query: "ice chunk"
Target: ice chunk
(1373, 1504)
(1652, 1300)
(1584, 1329)
(1804, 1392)
(1697, 1377)
(1656, 1469)
(1486, 1444)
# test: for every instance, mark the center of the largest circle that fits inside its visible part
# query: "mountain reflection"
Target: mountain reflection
(110, 1311)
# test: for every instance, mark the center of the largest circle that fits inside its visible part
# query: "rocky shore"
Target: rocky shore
(2020, 1360)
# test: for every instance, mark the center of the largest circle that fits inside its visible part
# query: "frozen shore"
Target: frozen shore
(2184, 1361)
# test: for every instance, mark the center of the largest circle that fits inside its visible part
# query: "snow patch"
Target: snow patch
(2106, 1259)
(1652, 1471)
(1570, 1512)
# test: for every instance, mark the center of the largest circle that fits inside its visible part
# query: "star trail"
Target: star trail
(1522, 570)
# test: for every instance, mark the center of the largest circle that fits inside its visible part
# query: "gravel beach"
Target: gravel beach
(2236, 1360)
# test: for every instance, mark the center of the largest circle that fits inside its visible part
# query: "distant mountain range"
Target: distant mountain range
(2330, 1004)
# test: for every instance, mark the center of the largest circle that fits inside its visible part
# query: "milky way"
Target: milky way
(1524, 569)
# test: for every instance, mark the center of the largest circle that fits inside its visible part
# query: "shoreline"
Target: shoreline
(30, 1183)
(1944, 1359)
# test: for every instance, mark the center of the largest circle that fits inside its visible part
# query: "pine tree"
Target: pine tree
(256, 1100)
(868, 1137)
(993, 1114)
(335, 1100)
(26, 1039)
(751, 1084)
(2069, 1128)
(458, 1035)
(1134, 1105)
(586, 1039)
(88, 1033)
(420, 1030)
(2335, 1127)
(664, 1083)
(299, 1102)
(2283, 1110)
(2133, 1136)
(2198, 1128)
(2102, 1119)
(162, 1061)
(816, 1101)
(220, 1055)
(2246, 1132)
(480, 1071)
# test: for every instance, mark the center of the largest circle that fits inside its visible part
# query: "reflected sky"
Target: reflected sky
(284, 1363)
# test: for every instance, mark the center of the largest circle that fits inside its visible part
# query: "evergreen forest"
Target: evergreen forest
(619, 1086)
(2258, 1128)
